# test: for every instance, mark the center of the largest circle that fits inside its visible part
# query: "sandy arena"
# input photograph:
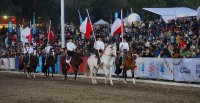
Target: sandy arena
(16, 88)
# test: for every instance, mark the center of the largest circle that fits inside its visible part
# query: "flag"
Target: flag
(86, 27)
(116, 27)
(25, 34)
(29, 36)
(34, 25)
(80, 18)
(50, 34)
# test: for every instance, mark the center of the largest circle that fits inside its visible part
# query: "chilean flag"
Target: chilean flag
(26, 35)
(117, 27)
(86, 28)
(50, 36)
(29, 36)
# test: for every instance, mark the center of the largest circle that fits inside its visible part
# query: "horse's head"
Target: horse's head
(131, 54)
(111, 50)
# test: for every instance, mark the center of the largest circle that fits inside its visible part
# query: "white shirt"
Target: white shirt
(99, 45)
(47, 49)
(123, 45)
(25, 50)
(30, 50)
(70, 46)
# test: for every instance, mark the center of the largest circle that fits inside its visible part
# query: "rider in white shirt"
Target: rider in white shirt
(30, 49)
(99, 48)
(124, 48)
(25, 49)
(48, 48)
(71, 47)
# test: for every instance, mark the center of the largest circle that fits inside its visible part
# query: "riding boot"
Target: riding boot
(99, 63)
(121, 62)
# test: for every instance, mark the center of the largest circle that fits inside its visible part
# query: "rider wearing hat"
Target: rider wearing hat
(71, 47)
(123, 48)
(99, 48)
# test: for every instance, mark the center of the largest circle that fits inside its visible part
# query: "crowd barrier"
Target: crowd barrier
(183, 69)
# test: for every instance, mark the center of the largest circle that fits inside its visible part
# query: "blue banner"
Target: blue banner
(116, 15)
(34, 26)
(10, 26)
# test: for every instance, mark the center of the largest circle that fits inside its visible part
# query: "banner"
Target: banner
(10, 26)
(11, 63)
(187, 70)
(39, 67)
(157, 68)
(7, 63)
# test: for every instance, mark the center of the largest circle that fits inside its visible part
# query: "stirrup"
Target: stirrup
(100, 64)
(68, 61)
(121, 67)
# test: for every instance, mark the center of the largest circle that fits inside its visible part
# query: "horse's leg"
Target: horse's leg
(27, 72)
(34, 74)
(106, 74)
(111, 82)
(53, 70)
(91, 73)
(118, 77)
(46, 70)
(95, 74)
(133, 77)
(124, 74)
(64, 72)
(75, 72)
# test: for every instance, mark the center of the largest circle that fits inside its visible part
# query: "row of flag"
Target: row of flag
(85, 27)
(26, 34)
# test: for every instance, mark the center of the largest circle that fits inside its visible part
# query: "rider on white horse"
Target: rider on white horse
(99, 48)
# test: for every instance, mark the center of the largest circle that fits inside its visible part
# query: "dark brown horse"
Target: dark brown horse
(75, 62)
(30, 64)
(128, 63)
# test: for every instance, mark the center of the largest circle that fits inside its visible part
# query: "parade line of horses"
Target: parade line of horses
(110, 57)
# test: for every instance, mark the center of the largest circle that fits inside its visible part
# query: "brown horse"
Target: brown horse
(128, 63)
(75, 62)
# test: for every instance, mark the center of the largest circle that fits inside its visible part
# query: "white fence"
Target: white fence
(7, 63)
(183, 69)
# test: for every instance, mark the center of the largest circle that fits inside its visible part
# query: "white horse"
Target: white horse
(108, 58)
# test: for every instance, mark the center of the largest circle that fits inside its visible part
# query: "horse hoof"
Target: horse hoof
(124, 82)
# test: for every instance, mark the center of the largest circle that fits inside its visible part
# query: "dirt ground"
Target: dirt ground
(16, 88)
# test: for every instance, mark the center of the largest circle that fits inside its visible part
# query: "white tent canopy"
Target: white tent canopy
(172, 13)
(101, 22)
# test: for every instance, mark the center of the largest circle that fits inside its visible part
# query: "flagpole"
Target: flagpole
(122, 25)
(91, 25)
(80, 18)
(49, 30)
(62, 24)
(29, 39)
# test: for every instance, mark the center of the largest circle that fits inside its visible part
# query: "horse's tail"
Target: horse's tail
(87, 70)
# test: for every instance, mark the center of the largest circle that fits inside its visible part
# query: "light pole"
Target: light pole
(62, 25)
